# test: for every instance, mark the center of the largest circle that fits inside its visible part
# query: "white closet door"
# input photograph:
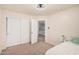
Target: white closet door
(25, 31)
(13, 31)
(34, 31)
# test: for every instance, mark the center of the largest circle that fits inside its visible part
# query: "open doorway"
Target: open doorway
(41, 31)
(38, 31)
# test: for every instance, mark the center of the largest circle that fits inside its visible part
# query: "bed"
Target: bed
(65, 48)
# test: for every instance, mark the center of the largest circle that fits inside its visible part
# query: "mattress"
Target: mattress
(66, 48)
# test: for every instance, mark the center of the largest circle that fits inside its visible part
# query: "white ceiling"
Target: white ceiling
(30, 9)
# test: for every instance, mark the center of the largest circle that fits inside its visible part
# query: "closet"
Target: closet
(17, 31)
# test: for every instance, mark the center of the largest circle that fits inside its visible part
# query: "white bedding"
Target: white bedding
(66, 48)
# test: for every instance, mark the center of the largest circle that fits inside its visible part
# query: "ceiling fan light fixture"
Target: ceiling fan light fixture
(40, 7)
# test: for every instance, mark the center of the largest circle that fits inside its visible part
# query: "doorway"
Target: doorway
(41, 31)
(38, 29)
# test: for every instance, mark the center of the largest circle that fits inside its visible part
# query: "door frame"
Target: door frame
(46, 28)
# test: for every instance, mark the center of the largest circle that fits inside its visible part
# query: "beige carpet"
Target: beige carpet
(28, 49)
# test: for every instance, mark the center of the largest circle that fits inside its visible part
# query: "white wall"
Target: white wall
(1, 31)
(63, 23)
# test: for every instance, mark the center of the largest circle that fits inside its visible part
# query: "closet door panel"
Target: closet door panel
(25, 31)
(13, 31)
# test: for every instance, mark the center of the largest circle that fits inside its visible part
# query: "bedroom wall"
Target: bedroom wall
(38, 17)
(63, 23)
(1, 29)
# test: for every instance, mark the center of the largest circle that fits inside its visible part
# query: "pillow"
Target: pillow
(75, 40)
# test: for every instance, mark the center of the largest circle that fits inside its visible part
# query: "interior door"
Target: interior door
(34, 31)
(13, 31)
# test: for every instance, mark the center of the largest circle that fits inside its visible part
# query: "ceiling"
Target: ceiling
(31, 10)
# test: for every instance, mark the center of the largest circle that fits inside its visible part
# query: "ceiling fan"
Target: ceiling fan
(40, 6)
